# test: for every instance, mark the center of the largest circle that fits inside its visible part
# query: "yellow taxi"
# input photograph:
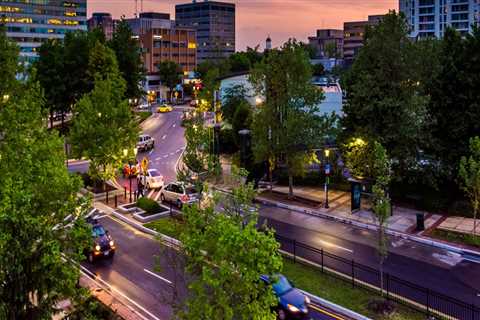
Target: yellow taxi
(164, 108)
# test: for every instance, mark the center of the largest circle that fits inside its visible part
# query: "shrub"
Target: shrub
(148, 205)
(228, 144)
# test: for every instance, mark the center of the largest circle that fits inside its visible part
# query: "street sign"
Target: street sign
(145, 164)
(327, 168)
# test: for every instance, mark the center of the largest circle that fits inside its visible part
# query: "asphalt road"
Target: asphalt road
(132, 272)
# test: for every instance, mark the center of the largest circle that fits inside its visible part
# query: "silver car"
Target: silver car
(145, 142)
(179, 194)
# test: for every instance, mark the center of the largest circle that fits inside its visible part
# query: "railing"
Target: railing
(411, 295)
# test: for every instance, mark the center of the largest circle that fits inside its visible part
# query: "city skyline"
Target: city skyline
(257, 19)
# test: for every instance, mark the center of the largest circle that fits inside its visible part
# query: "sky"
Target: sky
(257, 19)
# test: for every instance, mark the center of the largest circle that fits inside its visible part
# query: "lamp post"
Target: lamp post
(125, 153)
(327, 176)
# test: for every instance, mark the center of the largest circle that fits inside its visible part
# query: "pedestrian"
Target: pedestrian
(140, 186)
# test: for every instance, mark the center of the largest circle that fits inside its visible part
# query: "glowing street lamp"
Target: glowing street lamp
(327, 176)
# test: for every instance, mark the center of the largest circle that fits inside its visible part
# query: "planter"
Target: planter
(147, 217)
(129, 208)
(112, 192)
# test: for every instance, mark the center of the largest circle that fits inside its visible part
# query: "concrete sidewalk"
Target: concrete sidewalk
(402, 220)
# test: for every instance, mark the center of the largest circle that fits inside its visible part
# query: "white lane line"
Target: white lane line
(158, 159)
(172, 153)
(165, 156)
(164, 137)
(174, 125)
(157, 276)
(150, 193)
(100, 217)
(332, 245)
(151, 151)
(157, 196)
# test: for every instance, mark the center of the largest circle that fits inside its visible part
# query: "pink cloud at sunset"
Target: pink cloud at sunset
(256, 19)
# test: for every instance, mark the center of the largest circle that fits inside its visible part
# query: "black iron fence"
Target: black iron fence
(422, 299)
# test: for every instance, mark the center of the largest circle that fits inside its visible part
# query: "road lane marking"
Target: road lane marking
(151, 151)
(164, 137)
(165, 156)
(157, 196)
(156, 275)
(321, 310)
(172, 153)
(174, 125)
(158, 159)
(101, 217)
(150, 193)
(332, 245)
(112, 288)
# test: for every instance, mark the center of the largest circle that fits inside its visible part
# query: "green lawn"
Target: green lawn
(456, 237)
(143, 115)
(340, 292)
(167, 226)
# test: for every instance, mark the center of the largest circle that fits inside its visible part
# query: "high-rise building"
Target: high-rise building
(29, 23)
(150, 20)
(430, 18)
(354, 35)
(215, 25)
(169, 44)
(325, 38)
(104, 22)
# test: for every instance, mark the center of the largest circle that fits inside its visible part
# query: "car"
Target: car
(145, 142)
(179, 194)
(292, 303)
(143, 106)
(103, 244)
(152, 179)
(164, 108)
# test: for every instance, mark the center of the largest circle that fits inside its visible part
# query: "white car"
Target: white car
(179, 194)
(145, 142)
(152, 179)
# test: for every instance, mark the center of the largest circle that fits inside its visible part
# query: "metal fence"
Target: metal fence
(416, 297)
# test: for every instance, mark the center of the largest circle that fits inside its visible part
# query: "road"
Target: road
(132, 271)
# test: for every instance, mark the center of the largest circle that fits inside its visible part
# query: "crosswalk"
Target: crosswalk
(153, 194)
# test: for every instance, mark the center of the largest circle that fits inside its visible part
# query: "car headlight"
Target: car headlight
(97, 247)
(307, 300)
(111, 243)
(292, 308)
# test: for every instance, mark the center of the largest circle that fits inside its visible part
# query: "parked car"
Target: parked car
(164, 108)
(143, 106)
(145, 142)
(179, 194)
(152, 179)
(103, 244)
(292, 303)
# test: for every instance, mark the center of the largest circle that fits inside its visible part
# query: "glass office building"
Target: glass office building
(30, 22)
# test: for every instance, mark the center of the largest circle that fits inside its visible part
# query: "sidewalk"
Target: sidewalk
(402, 220)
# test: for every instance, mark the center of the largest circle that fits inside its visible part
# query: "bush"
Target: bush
(150, 206)
(228, 143)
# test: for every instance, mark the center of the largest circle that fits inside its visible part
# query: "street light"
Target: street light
(327, 176)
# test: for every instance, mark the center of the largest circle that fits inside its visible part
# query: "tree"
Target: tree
(381, 201)
(231, 99)
(102, 63)
(384, 100)
(128, 53)
(469, 174)
(169, 72)
(103, 126)
(8, 61)
(41, 235)
(226, 255)
(50, 74)
(287, 125)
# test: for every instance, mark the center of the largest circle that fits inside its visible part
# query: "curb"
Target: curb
(335, 307)
(433, 243)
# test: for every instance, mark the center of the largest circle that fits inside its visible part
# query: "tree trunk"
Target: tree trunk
(63, 121)
(51, 119)
(475, 209)
(381, 277)
(290, 186)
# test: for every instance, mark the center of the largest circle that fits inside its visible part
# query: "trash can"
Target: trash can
(420, 222)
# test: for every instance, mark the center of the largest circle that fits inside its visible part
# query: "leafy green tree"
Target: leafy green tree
(469, 173)
(287, 125)
(381, 201)
(41, 235)
(239, 62)
(128, 53)
(359, 158)
(103, 126)
(455, 96)
(8, 61)
(102, 62)
(170, 73)
(384, 101)
(51, 76)
(231, 99)
(226, 255)
(318, 69)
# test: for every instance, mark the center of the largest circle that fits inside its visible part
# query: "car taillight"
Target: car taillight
(185, 198)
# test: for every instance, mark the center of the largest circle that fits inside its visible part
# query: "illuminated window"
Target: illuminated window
(9, 9)
(71, 22)
(71, 14)
(54, 21)
(192, 45)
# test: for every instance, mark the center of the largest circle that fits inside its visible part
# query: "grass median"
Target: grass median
(341, 292)
(168, 226)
